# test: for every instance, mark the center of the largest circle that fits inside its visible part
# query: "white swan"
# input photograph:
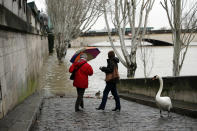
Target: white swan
(164, 103)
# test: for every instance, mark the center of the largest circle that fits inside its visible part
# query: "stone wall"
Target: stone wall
(22, 53)
(17, 18)
(166, 37)
(88, 40)
(178, 88)
(19, 9)
(21, 58)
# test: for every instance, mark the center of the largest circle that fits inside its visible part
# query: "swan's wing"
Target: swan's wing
(164, 102)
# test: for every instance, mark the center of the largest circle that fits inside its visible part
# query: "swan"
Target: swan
(164, 103)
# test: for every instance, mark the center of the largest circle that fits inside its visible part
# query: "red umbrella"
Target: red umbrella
(91, 53)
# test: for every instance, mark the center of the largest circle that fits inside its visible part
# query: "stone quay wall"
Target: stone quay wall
(181, 88)
(21, 58)
(22, 53)
(89, 40)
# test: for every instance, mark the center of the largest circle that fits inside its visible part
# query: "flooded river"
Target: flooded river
(55, 80)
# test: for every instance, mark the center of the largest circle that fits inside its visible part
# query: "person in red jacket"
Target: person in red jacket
(81, 78)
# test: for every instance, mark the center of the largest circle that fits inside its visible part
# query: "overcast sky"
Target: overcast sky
(157, 17)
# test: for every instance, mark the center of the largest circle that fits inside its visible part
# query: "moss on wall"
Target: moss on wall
(29, 89)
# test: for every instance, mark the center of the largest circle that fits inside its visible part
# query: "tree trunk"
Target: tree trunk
(181, 40)
(58, 49)
(61, 48)
(124, 13)
(177, 39)
(131, 70)
(69, 18)
(133, 65)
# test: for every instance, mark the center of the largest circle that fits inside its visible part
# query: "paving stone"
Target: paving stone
(58, 114)
(23, 116)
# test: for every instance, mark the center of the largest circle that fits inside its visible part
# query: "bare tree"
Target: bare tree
(70, 18)
(124, 13)
(179, 20)
(146, 56)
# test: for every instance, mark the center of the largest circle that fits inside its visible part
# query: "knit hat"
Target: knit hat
(83, 56)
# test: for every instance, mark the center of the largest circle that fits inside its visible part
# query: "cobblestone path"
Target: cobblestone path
(58, 115)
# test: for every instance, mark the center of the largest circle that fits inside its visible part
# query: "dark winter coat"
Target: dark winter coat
(111, 65)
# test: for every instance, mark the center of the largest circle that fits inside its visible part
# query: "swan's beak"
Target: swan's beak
(154, 78)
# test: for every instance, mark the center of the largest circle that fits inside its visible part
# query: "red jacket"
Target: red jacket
(81, 76)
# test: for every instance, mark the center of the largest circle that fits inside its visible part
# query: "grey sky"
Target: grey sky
(157, 17)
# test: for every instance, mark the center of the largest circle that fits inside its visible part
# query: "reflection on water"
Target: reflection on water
(55, 77)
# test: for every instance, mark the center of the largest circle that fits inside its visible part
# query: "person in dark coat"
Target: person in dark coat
(81, 78)
(112, 76)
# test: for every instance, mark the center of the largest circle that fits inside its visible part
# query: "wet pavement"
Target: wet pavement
(58, 114)
(57, 111)
(54, 79)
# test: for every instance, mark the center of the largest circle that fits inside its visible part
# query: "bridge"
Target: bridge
(164, 39)
(157, 42)
(157, 38)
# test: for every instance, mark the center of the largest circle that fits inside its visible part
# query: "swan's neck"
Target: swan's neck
(161, 87)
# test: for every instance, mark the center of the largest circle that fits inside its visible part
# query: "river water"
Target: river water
(55, 79)
(159, 63)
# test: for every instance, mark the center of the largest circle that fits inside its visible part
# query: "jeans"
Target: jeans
(110, 86)
(79, 101)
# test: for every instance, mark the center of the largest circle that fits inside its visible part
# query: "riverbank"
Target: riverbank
(55, 85)
(89, 40)
(179, 107)
(26, 115)
(58, 115)
(53, 82)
